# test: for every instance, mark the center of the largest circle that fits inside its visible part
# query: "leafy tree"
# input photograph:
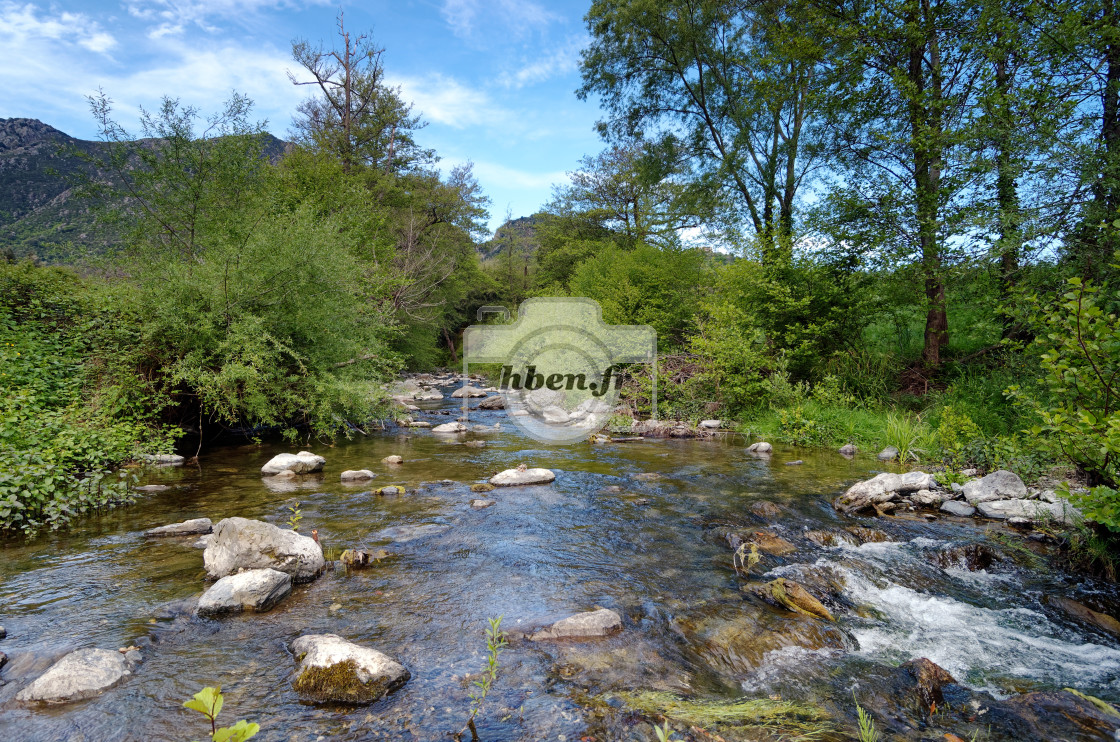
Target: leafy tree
(731, 87)
(356, 116)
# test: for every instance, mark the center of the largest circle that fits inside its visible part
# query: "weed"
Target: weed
(208, 702)
(295, 516)
(495, 643)
(744, 560)
(867, 731)
(909, 435)
(785, 718)
(663, 733)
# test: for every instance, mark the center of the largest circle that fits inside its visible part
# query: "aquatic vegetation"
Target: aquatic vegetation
(795, 721)
(744, 560)
(495, 643)
(337, 682)
(208, 702)
(867, 731)
(295, 515)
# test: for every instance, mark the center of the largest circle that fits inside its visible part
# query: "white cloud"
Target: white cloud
(447, 101)
(516, 16)
(171, 17)
(24, 23)
(492, 172)
(560, 61)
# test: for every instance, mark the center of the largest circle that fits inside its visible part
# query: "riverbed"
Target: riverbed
(653, 549)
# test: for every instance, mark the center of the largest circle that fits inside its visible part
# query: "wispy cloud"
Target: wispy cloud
(466, 17)
(26, 23)
(560, 61)
(172, 17)
(495, 173)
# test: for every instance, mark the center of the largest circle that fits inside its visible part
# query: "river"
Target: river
(653, 550)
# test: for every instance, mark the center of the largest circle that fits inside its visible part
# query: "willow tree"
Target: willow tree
(731, 86)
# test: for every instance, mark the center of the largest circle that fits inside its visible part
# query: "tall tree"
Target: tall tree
(732, 85)
(356, 116)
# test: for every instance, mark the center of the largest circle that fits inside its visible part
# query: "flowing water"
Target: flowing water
(653, 550)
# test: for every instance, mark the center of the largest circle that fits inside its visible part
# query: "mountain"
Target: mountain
(522, 232)
(40, 214)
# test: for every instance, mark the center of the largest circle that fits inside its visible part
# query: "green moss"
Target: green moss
(338, 682)
(1104, 706)
(789, 719)
(481, 487)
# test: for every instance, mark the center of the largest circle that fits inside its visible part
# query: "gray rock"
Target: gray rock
(303, 462)
(956, 507)
(165, 459)
(1048, 496)
(760, 447)
(999, 485)
(152, 488)
(1035, 510)
(912, 481)
(254, 590)
(866, 494)
(3, 661)
(969, 472)
(480, 504)
(455, 427)
(890, 453)
(356, 475)
(496, 402)
(192, 527)
(318, 654)
(428, 396)
(239, 543)
(927, 498)
(3, 633)
(710, 424)
(516, 477)
(956, 487)
(582, 626)
(795, 463)
(468, 391)
(848, 450)
(81, 674)
(203, 541)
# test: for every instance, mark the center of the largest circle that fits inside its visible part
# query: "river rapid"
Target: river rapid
(653, 549)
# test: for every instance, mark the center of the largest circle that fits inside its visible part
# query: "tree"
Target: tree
(356, 116)
(732, 87)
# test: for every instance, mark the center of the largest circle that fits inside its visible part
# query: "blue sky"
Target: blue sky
(495, 79)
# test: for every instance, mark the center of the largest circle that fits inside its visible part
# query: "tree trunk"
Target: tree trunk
(1007, 193)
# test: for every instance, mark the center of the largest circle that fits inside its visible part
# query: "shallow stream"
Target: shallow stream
(654, 550)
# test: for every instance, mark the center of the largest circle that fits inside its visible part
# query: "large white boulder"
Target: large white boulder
(1036, 510)
(332, 669)
(912, 481)
(450, 428)
(240, 543)
(514, 477)
(582, 626)
(254, 590)
(81, 674)
(999, 485)
(866, 494)
(496, 402)
(303, 462)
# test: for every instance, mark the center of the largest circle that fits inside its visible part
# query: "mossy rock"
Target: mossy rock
(482, 487)
(338, 683)
(791, 596)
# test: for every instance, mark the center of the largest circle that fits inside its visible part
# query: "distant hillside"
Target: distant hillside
(39, 213)
(522, 232)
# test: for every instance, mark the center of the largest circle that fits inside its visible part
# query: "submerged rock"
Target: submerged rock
(152, 488)
(765, 509)
(791, 596)
(356, 475)
(303, 462)
(192, 527)
(930, 677)
(848, 449)
(522, 476)
(256, 590)
(1086, 614)
(1053, 715)
(481, 487)
(760, 447)
(393, 460)
(239, 543)
(401, 534)
(999, 485)
(332, 669)
(766, 542)
(831, 538)
(482, 504)
(84, 673)
(601, 622)
(972, 557)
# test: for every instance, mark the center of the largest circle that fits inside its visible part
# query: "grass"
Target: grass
(910, 436)
(795, 721)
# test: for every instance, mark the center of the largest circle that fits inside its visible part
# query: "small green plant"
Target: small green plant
(208, 702)
(867, 731)
(295, 515)
(495, 643)
(664, 734)
(955, 433)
